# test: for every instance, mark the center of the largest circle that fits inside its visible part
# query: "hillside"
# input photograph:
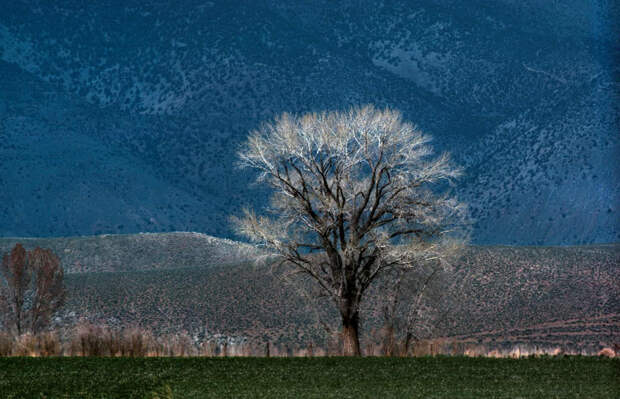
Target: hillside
(206, 286)
(126, 118)
(544, 295)
(135, 252)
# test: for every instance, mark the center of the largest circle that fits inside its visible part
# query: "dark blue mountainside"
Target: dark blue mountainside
(121, 117)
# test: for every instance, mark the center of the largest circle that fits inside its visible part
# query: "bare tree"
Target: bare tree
(31, 289)
(412, 305)
(354, 196)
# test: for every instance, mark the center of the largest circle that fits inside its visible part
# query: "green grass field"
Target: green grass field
(441, 377)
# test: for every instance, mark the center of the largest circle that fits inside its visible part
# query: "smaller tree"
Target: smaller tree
(31, 289)
(412, 306)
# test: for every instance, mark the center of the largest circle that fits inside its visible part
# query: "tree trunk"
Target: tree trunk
(350, 337)
(18, 320)
(408, 339)
(389, 341)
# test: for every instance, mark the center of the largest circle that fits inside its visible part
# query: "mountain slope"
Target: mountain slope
(60, 175)
(524, 94)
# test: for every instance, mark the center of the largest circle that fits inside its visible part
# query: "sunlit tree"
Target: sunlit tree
(355, 194)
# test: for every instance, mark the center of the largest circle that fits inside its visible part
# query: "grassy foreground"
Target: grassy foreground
(442, 377)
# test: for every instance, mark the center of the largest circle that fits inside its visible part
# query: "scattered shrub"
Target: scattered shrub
(607, 352)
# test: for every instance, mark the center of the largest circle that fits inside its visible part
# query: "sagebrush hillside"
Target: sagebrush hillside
(145, 251)
(186, 282)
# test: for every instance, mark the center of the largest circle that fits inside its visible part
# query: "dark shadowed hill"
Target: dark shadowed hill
(125, 117)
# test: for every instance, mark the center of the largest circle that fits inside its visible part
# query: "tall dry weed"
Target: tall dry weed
(135, 343)
(182, 345)
(6, 344)
(48, 344)
(26, 345)
(90, 340)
